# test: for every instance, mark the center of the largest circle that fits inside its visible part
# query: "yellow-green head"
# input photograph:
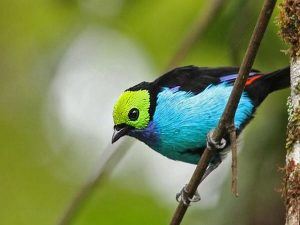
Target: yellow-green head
(131, 111)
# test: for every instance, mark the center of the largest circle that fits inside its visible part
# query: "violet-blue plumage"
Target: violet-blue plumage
(231, 77)
(148, 135)
(182, 119)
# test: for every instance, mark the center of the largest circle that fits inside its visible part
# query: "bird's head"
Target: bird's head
(131, 112)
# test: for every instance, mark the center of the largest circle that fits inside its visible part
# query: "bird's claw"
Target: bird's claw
(182, 196)
(212, 144)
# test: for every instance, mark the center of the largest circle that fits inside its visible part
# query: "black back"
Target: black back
(194, 79)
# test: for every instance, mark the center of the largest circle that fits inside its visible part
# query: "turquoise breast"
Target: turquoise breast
(183, 119)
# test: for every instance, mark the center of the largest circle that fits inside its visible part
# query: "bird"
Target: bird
(174, 113)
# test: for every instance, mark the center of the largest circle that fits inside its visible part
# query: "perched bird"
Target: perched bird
(174, 113)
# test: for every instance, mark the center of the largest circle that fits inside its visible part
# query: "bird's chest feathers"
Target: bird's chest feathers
(182, 119)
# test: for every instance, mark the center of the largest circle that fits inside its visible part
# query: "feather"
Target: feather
(182, 119)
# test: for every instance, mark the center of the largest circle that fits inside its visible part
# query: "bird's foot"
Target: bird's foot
(182, 196)
(212, 144)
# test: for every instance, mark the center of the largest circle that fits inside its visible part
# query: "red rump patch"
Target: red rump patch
(251, 79)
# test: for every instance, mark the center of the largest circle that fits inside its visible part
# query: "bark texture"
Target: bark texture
(292, 179)
(289, 21)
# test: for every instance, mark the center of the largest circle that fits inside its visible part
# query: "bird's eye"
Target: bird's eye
(133, 114)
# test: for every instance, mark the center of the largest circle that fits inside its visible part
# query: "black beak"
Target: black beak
(119, 131)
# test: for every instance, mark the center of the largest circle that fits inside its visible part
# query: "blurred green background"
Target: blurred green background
(40, 170)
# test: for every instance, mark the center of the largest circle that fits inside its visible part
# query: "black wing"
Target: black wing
(195, 79)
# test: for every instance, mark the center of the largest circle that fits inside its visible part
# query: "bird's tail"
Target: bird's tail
(278, 79)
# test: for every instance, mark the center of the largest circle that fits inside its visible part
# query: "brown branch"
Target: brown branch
(231, 106)
(196, 32)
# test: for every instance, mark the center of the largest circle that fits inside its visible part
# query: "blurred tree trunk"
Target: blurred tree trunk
(289, 21)
(292, 181)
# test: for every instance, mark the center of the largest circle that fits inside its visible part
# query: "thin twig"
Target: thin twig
(198, 29)
(231, 106)
(232, 135)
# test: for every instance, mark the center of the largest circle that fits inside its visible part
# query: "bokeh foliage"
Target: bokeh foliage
(33, 36)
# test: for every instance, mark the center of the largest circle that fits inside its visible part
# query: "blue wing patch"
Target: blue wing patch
(232, 77)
